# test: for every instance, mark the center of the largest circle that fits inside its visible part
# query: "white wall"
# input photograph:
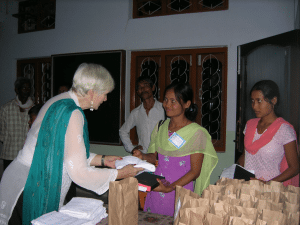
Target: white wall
(95, 25)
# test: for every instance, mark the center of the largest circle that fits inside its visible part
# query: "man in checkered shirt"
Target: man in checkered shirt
(14, 121)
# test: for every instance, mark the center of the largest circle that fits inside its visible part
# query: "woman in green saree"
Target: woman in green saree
(184, 150)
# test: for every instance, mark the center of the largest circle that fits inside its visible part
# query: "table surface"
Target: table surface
(146, 218)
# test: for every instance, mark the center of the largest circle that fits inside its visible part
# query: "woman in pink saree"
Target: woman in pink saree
(270, 141)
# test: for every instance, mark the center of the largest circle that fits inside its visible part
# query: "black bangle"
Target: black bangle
(102, 160)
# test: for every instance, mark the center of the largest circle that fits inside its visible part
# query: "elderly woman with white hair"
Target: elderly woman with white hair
(56, 152)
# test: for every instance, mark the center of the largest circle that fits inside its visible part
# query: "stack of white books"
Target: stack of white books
(79, 211)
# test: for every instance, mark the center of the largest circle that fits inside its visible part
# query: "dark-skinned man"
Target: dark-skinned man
(144, 117)
(14, 121)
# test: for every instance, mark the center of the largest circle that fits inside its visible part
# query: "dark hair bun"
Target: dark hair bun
(191, 112)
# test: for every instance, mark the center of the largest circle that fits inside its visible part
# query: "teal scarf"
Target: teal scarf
(43, 186)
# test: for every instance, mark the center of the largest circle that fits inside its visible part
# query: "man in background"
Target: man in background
(144, 117)
(14, 121)
(63, 88)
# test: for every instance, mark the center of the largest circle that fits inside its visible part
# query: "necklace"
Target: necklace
(178, 127)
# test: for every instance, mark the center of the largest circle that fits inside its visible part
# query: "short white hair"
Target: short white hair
(90, 76)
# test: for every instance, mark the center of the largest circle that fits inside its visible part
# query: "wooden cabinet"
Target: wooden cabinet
(204, 69)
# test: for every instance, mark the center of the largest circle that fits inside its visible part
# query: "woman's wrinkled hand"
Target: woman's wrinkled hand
(109, 160)
(137, 153)
(128, 171)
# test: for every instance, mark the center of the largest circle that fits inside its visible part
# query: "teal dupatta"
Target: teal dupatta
(43, 186)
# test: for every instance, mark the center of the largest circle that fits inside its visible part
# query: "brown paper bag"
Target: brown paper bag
(223, 210)
(237, 202)
(206, 194)
(229, 200)
(231, 190)
(245, 197)
(181, 191)
(291, 188)
(197, 213)
(180, 194)
(195, 218)
(250, 204)
(274, 206)
(272, 216)
(259, 194)
(260, 222)
(292, 218)
(212, 219)
(219, 209)
(274, 186)
(248, 213)
(291, 197)
(262, 204)
(216, 188)
(211, 196)
(187, 199)
(293, 208)
(277, 186)
(259, 185)
(267, 195)
(123, 202)
(248, 190)
(240, 221)
(222, 181)
(277, 197)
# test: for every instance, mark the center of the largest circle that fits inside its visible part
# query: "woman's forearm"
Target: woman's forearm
(150, 157)
(187, 178)
(96, 161)
(286, 175)
(292, 159)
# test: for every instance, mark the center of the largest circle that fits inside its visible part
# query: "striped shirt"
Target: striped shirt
(13, 129)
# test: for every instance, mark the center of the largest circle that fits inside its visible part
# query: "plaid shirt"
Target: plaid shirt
(13, 129)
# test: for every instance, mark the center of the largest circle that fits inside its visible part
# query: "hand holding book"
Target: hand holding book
(164, 186)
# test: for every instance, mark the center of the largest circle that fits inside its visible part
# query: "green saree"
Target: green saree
(198, 140)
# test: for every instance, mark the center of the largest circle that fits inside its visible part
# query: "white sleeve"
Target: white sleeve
(124, 132)
(78, 166)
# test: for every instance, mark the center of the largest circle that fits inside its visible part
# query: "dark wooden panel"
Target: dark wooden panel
(104, 123)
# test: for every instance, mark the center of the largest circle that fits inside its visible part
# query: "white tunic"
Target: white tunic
(266, 162)
(144, 125)
(75, 166)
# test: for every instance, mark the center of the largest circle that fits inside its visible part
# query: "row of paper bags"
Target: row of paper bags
(229, 202)
(238, 202)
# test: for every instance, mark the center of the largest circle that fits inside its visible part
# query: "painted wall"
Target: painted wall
(95, 25)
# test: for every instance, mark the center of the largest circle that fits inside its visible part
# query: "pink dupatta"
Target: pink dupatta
(266, 137)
